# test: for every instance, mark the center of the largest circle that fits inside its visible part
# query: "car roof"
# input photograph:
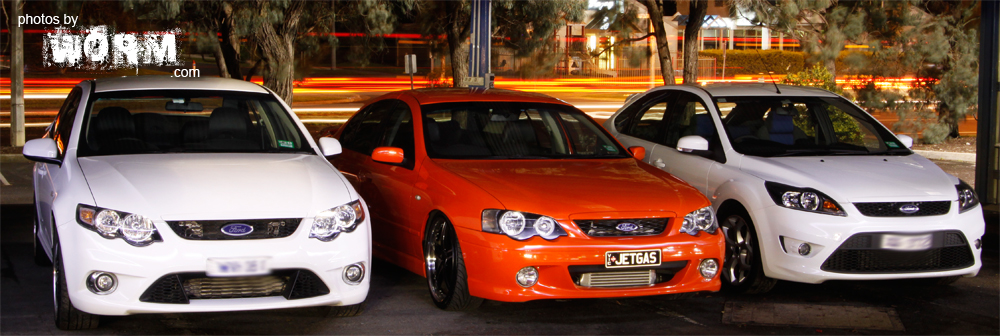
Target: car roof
(764, 89)
(457, 95)
(174, 83)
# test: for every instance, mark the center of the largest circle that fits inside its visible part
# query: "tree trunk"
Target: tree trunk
(230, 45)
(696, 18)
(220, 60)
(278, 50)
(662, 45)
(458, 45)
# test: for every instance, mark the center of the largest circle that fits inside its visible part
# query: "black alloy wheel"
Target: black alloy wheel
(445, 268)
(743, 271)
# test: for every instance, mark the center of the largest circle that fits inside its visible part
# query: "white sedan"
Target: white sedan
(170, 195)
(808, 186)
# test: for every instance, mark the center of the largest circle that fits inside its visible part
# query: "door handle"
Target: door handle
(659, 163)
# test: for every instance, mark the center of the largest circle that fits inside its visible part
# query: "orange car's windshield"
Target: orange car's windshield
(509, 130)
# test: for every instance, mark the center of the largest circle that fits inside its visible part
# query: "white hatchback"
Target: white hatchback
(169, 195)
(808, 186)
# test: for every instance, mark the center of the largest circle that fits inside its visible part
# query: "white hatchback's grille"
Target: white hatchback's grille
(618, 279)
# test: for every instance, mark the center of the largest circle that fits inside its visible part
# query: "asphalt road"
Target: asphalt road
(399, 304)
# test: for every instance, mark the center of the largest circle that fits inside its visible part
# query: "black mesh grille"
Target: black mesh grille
(212, 230)
(892, 209)
(860, 254)
(622, 227)
(182, 287)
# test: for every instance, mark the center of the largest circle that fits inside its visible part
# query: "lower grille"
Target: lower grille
(180, 288)
(622, 227)
(892, 209)
(599, 276)
(860, 254)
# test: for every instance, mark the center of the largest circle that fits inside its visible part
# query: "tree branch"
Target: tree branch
(625, 41)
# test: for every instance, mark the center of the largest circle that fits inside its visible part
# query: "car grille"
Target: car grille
(182, 287)
(622, 227)
(212, 230)
(891, 209)
(599, 276)
(861, 254)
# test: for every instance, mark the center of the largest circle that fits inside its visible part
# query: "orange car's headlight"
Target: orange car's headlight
(521, 225)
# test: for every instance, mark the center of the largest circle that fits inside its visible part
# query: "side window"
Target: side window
(62, 127)
(646, 121)
(363, 134)
(690, 116)
(399, 131)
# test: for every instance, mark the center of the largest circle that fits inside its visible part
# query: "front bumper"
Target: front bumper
(492, 261)
(826, 234)
(138, 268)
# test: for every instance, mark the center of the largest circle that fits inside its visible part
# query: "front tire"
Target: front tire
(346, 311)
(67, 317)
(743, 271)
(445, 268)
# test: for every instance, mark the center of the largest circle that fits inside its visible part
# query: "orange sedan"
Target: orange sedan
(512, 196)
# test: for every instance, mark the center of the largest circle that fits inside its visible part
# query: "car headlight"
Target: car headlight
(135, 229)
(805, 199)
(328, 224)
(966, 197)
(521, 225)
(700, 220)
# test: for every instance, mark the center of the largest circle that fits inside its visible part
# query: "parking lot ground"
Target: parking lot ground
(399, 304)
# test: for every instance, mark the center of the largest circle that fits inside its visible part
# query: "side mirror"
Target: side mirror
(638, 152)
(330, 146)
(693, 144)
(906, 140)
(391, 155)
(42, 150)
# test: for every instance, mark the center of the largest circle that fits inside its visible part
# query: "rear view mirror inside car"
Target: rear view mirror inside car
(184, 106)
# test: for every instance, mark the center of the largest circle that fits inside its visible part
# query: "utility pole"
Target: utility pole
(479, 48)
(17, 78)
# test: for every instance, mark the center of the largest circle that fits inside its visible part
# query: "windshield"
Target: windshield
(170, 121)
(803, 126)
(504, 130)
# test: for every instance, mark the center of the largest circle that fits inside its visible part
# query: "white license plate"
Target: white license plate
(906, 242)
(229, 267)
(613, 259)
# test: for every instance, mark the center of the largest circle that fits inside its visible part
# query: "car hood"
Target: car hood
(871, 178)
(560, 188)
(216, 186)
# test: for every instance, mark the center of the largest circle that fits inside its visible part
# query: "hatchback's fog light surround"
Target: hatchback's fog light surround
(708, 268)
(135, 229)
(805, 199)
(102, 283)
(521, 225)
(527, 277)
(354, 273)
(700, 220)
(329, 224)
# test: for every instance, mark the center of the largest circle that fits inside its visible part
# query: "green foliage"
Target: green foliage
(816, 76)
(752, 62)
(844, 126)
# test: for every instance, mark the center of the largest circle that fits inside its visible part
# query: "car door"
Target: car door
(688, 115)
(46, 174)
(640, 124)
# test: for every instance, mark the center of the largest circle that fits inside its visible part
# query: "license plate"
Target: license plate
(906, 242)
(229, 267)
(614, 259)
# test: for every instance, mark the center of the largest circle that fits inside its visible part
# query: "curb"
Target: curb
(948, 156)
(13, 158)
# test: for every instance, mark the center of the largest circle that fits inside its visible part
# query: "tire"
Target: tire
(67, 317)
(346, 311)
(743, 271)
(445, 268)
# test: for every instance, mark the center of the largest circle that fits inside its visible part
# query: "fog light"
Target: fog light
(804, 249)
(709, 268)
(978, 243)
(527, 276)
(102, 283)
(354, 273)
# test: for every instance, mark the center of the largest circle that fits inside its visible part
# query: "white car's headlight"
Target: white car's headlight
(136, 229)
(521, 225)
(966, 197)
(328, 224)
(700, 220)
(805, 199)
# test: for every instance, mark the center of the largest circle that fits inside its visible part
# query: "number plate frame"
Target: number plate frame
(234, 267)
(613, 259)
(901, 242)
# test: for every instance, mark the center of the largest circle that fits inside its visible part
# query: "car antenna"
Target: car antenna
(761, 59)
